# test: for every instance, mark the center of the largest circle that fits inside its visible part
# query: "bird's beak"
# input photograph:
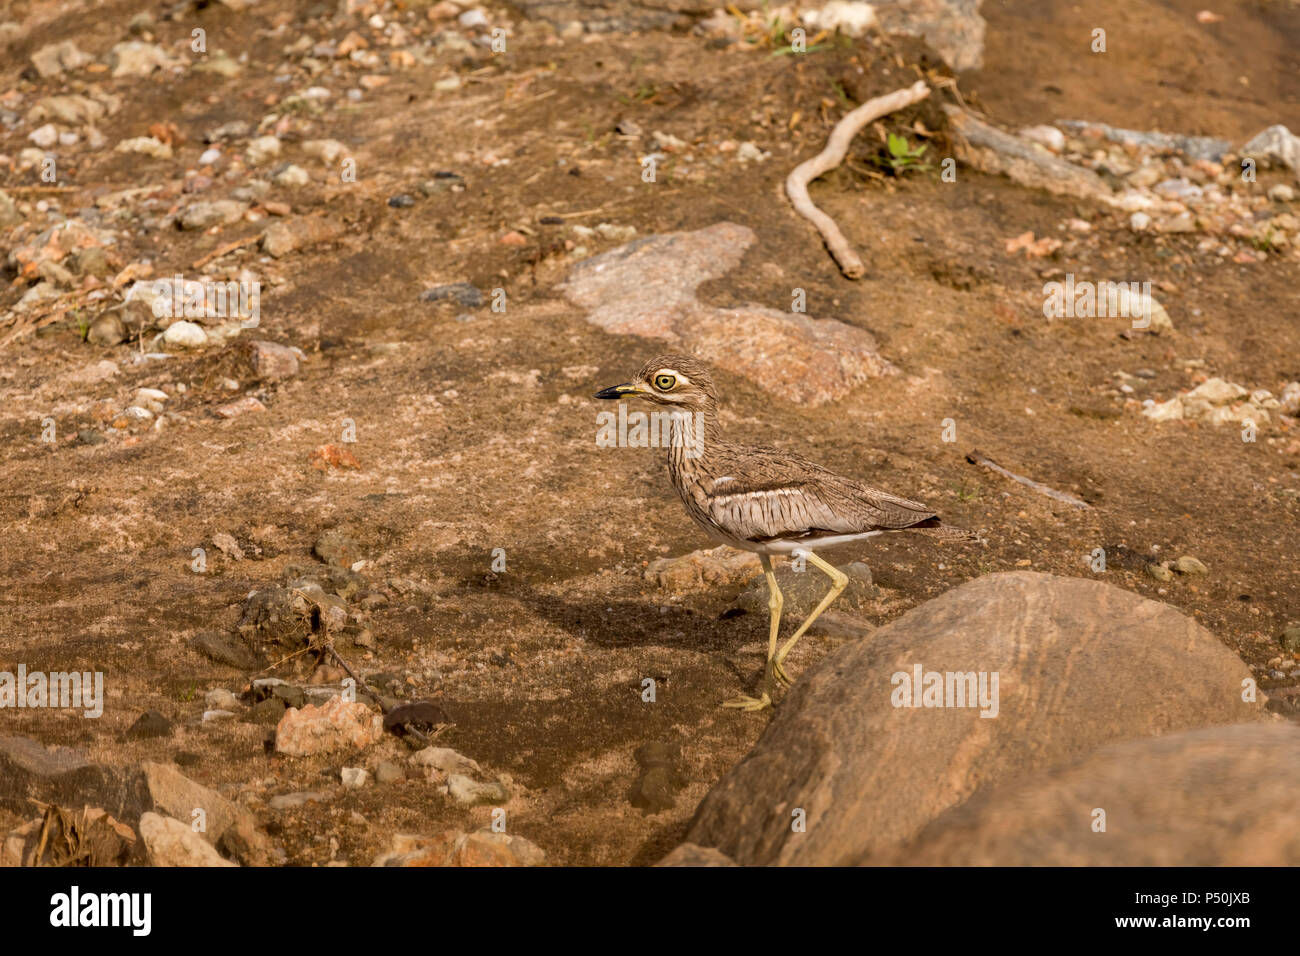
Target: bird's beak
(618, 391)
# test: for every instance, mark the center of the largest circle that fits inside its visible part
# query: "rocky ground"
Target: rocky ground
(393, 450)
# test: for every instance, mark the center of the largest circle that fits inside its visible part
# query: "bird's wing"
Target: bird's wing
(765, 494)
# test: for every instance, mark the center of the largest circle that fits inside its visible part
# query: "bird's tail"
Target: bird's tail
(944, 532)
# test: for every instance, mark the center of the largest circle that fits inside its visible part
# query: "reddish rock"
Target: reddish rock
(485, 848)
(333, 726)
(234, 409)
(455, 848)
(410, 849)
(273, 361)
(333, 456)
(288, 235)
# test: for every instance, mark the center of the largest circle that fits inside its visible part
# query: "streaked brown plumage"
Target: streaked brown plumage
(763, 499)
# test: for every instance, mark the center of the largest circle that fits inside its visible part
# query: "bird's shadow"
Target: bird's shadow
(634, 623)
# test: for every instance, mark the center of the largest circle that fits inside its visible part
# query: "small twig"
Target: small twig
(226, 249)
(587, 212)
(55, 310)
(977, 457)
(359, 682)
(283, 660)
(837, 146)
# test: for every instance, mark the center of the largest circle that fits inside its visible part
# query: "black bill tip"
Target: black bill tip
(614, 391)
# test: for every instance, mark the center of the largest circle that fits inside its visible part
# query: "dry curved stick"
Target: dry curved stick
(977, 457)
(837, 145)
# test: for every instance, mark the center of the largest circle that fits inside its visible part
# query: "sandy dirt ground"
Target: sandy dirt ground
(475, 430)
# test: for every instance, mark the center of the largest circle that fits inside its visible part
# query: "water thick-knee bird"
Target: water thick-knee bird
(765, 500)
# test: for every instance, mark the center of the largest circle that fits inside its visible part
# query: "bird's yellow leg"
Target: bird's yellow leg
(839, 580)
(774, 604)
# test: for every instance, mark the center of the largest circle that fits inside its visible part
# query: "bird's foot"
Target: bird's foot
(778, 673)
(749, 704)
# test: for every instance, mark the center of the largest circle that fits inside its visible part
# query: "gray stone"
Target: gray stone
(354, 778)
(462, 293)
(185, 335)
(221, 699)
(267, 711)
(273, 689)
(661, 779)
(709, 568)
(62, 776)
(990, 150)
(1193, 147)
(149, 725)
(688, 854)
(108, 329)
(1189, 565)
(220, 212)
(69, 109)
(655, 790)
(57, 58)
(90, 262)
(803, 591)
(292, 801)
(228, 650)
(648, 288)
(953, 28)
(1161, 572)
(221, 65)
(336, 547)
(170, 842)
(469, 792)
(1276, 146)
(135, 58)
(261, 149)
(1080, 665)
(446, 760)
(169, 791)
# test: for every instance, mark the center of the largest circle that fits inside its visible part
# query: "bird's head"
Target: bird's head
(672, 379)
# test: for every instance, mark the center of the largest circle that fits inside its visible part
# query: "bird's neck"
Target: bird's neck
(695, 432)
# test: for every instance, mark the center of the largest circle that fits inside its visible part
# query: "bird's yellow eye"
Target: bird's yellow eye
(665, 383)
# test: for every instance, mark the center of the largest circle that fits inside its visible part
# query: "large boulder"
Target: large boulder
(1226, 796)
(170, 842)
(172, 793)
(62, 776)
(1078, 665)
